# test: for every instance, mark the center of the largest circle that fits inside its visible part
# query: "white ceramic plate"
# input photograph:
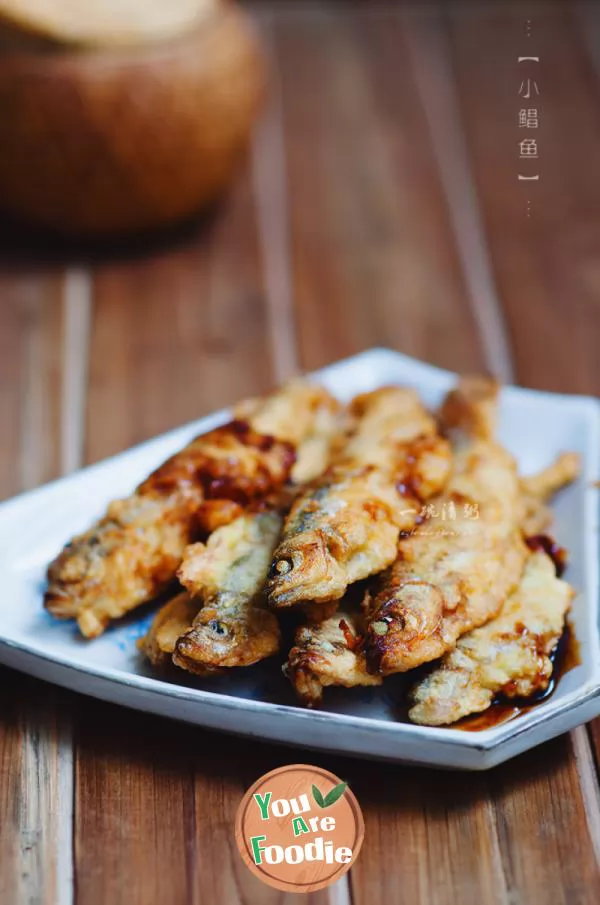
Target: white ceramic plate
(257, 701)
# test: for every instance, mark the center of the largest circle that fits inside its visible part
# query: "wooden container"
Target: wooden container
(115, 140)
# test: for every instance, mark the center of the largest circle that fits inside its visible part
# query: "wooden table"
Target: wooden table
(381, 206)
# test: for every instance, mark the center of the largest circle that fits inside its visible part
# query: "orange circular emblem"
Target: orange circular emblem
(299, 828)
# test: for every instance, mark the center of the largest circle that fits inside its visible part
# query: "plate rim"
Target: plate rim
(488, 747)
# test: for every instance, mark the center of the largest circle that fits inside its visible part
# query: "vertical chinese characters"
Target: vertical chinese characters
(528, 118)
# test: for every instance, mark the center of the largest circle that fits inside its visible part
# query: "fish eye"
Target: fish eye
(217, 627)
(380, 627)
(281, 567)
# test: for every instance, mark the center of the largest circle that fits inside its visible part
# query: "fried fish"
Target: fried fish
(226, 578)
(315, 662)
(329, 653)
(510, 656)
(174, 619)
(133, 552)
(315, 437)
(447, 581)
(168, 625)
(346, 525)
(321, 444)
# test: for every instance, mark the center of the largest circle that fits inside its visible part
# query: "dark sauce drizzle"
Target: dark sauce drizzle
(565, 657)
(557, 554)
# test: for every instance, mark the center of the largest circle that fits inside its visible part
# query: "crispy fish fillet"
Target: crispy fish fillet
(537, 489)
(227, 576)
(346, 525)
(133, 552)
(511, 655)
(328, 654)
(168, 625)
(447, 581)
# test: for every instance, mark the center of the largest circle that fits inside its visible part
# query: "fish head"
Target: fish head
(305, 569)
(237, 639)
(403, 622)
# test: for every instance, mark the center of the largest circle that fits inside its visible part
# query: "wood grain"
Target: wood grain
(546, 265)
(30, 373)
(546, 262)
(499, 838)
(366, 207)
(35, 844)
(178, 334)
(550, 313)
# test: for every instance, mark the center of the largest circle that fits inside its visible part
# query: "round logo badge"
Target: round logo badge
(299, 828)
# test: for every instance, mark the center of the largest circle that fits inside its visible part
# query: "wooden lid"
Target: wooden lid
(103, 22)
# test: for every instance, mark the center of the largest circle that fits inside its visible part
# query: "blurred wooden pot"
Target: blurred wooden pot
(100, 141)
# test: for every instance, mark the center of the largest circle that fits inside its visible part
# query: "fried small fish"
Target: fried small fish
(296, 412)
(314, 451)
(346, 525)
(328, 653)
(173, 618)
(226, 577)
(510, 656)
(313, 660)
(132, 554)
(200, 565)
(450, 578)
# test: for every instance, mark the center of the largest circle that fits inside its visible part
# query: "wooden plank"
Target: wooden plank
(35, 780)
(134, 833)
(30, 363)
(430, 837)
(546, 265)
(156, 808)
(371, 255)
(224, 776)
(179, 333)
